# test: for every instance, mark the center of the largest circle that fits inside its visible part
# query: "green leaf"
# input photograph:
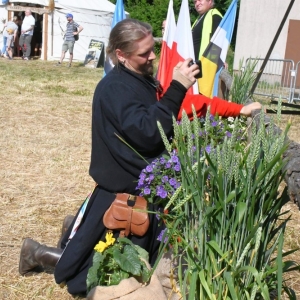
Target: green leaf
(205, 285)
(92, 276)
(142, 252)
(128, 262)
(117, 276)
(230, 284)
(193, 285)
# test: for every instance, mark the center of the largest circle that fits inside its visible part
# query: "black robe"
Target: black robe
(125, 104)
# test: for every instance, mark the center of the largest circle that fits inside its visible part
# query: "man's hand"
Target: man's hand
(247, 109)
(185, 74)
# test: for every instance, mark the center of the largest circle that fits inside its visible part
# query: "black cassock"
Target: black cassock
(124, 105)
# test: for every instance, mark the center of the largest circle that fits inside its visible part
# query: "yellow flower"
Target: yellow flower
(101, 246)
(110, 239)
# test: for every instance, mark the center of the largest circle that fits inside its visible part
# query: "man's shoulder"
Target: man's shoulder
(30, 19)
(215, 11)
(75, 24)
(12, 25)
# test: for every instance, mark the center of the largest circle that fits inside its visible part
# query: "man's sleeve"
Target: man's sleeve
(217, 106)
(32, 23)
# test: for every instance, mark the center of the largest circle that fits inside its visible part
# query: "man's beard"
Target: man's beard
(148, 70)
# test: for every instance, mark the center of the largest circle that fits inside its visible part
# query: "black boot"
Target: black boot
(66, 224)
(33, 256)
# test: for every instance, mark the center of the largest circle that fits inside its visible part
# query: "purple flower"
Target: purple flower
(149, 168)
(214, 124)
(140, 182)
(158, 214)
(178, 184)
(208, 148)
(143, 175)
(177, 167)
(147, 191)
(161, 192)
(162, 160)
(161, 235)
(173, 181)
(164, 179)
(168, 165)
(228, 134)
(174, 159)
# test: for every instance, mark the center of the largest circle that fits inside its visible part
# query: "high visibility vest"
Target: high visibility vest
(206, 28)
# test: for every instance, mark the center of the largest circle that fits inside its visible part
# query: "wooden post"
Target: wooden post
(9, 15)
(45, 36)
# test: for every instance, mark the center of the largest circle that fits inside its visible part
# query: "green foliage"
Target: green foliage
(155, 11)
(159, 182)
(119, 261)
(230, 59)
(229, 217)
(242, 82)
(225, 222)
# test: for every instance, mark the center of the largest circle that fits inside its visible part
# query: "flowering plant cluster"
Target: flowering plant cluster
(160, 179)
(115, 260)
(222, 222)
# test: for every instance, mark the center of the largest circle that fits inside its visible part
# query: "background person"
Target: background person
(205, 25)
(69, 39)
(3, 27)
(125, 102)
(26, 34)
(17, 47)
(11, 33)
(163, 27)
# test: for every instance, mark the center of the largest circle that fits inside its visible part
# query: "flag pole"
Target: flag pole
(271, 48)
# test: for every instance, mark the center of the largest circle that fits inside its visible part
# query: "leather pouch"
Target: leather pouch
(128, 214)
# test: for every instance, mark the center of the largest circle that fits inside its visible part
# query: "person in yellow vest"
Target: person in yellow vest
(205, 25)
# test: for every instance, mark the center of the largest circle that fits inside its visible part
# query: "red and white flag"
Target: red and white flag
(183, 46)
(164, 73)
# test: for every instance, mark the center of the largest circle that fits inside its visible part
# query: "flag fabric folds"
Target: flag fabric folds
(164, 74)
(214, 56)
(119, 15)
(182, 46)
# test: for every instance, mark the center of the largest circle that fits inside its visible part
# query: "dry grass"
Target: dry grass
(45, 151)
(45, 140)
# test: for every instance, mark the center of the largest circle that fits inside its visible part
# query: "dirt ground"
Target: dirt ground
(45, 140)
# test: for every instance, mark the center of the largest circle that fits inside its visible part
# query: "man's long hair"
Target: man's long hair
(124, 35)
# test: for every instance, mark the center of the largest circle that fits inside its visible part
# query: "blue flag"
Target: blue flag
(227, 25)
(119, 15)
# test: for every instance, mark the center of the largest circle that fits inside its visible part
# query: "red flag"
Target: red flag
(164, 74)
(182, 47)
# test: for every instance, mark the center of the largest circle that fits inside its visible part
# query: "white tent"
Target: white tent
(95, 16)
